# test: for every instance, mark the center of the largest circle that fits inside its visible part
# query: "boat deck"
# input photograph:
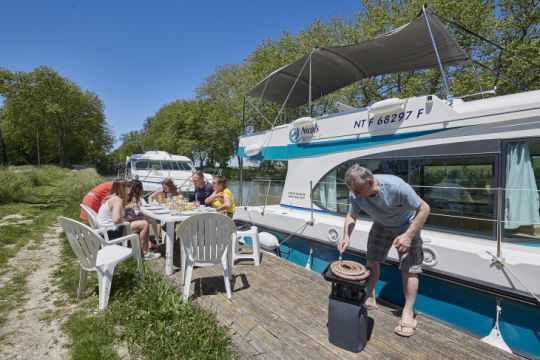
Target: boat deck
(279, 311)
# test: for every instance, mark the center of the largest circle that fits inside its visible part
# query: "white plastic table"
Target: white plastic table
(158, 212)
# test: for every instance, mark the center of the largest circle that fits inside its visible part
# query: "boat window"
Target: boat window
(331, 193)
(166, 165)
(140, 164)
(185, 165)
(155, 164)
(521, 197)
(459, 192)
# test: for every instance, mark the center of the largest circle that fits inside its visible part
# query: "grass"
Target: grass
(144, 317)
(91, 337)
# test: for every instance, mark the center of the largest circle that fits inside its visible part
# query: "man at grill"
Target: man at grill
(398, 215)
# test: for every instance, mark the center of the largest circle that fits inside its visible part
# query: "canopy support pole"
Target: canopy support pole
(243, 115)
(240, 159)
(241, 185)
(449, 96)
(478, 80)
(309, 90)
(292, 88)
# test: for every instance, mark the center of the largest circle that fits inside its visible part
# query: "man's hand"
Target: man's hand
(403, 243)
(343, 244)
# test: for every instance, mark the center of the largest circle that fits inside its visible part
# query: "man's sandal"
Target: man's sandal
(405, 329)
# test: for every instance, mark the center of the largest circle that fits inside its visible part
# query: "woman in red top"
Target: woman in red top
(94, 197)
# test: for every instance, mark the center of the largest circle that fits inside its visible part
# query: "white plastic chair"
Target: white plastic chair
(91, 215)
(94, 223)
(252, 233)
(99, 255)
(206, 240)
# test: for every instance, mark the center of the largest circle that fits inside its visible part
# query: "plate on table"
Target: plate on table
(162, 211)
(155, 207)
(189, 212)
(203, 209)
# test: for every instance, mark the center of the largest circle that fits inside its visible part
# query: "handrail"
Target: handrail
(488, 192)
(266, 198)
(249, 193)
(311, 201)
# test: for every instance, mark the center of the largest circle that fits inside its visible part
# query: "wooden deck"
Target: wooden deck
(279, 311)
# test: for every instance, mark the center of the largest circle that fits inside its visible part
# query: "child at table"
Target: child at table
(167, 189)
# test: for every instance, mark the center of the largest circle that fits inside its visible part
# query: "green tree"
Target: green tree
(69, 122)
(131, 144)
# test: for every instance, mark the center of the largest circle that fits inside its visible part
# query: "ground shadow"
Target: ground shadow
(211, 285)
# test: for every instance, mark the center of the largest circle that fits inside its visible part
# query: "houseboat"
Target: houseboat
(152, 167)
(476, 163)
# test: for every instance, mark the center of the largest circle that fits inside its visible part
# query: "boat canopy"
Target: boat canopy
(406, 48)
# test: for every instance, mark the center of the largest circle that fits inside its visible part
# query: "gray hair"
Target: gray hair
(357, 175)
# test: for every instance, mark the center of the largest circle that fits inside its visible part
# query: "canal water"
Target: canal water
(253, 192)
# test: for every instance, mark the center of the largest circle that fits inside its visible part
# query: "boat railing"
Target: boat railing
(465, 208)
(475, 204)
(264, 192)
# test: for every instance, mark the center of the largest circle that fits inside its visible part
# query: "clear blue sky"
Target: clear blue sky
(139, 55)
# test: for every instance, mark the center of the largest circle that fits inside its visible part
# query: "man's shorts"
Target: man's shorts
(380, 240)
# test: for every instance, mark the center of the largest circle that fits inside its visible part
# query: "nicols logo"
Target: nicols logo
(294, 135)
(305, 133)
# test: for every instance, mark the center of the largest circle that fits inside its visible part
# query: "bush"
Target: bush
(15, 186)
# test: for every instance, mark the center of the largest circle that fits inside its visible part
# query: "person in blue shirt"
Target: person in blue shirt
(203, 188)
(398, 215)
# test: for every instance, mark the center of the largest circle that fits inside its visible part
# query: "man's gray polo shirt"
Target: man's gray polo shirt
(394, 206)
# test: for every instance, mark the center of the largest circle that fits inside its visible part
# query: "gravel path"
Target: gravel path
(32, 330)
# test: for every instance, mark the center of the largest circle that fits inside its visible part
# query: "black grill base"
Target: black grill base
(347, 324)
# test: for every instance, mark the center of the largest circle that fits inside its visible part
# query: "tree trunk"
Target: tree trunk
(3, 152)
(60, 146)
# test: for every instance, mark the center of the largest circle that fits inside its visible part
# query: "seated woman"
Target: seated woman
(134, 202)
(167, 188)
(111, 215)
(222, 198)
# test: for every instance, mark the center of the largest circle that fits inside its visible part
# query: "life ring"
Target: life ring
(349, 270)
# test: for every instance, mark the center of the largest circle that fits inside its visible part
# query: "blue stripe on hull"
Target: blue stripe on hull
(462, 307)
(292, 151)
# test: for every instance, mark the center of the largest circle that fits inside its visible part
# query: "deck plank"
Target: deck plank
(279, 311)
